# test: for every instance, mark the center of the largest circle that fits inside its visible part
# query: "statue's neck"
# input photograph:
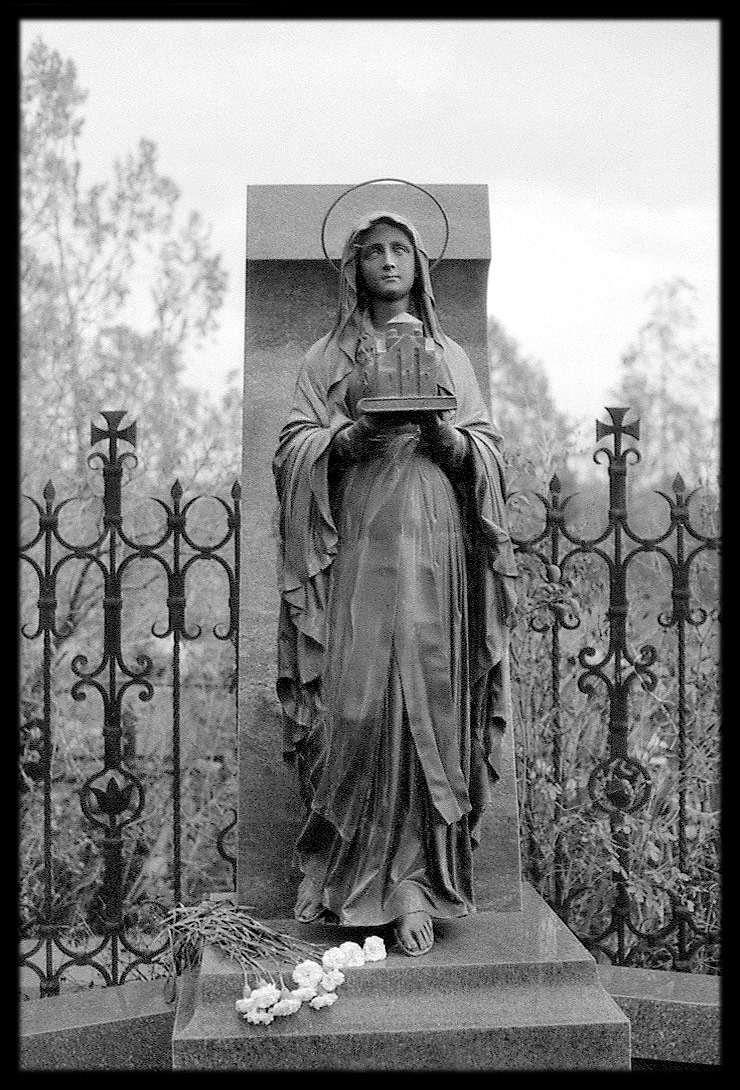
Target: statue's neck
(382, 310)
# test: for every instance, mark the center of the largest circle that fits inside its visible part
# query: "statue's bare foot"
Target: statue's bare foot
(308, 906)
(414, 933)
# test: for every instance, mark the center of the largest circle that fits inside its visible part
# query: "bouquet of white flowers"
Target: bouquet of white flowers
(264, 954)
(316, 983)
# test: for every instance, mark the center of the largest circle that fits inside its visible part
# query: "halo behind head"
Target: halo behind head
(375, 181)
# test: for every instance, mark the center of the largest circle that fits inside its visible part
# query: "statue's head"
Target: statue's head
(373, 238)
(386, 264)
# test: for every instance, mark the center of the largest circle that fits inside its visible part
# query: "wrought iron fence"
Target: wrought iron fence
(618, 801)
(111, 932)
(631, 845)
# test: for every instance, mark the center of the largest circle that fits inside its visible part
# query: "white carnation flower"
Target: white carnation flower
(284, 1007)
(348, 955)
(257, 1017)
(353, 954)
(374, 948)
(304, 993)
(307, 974)
(244, 1005)
(331, 980)
(324, 1000)
(333, 959)
(264, 996)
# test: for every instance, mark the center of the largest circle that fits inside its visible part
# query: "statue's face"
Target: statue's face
(387, 262)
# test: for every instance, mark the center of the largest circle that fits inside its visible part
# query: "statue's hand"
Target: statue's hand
(361, 439)
(442, 442)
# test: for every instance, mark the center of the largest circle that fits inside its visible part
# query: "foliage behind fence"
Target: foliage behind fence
(128, 754)
(618, 729)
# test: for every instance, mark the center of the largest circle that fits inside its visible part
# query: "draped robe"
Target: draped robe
(396, 584)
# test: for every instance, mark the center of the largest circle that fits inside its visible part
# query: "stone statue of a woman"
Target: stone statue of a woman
(397, 580)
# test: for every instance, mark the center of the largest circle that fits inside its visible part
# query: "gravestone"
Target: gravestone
(509, 988)
(291, 297)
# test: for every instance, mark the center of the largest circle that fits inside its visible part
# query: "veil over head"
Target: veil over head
(348, 327)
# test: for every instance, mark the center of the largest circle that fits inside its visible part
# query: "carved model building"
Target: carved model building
(402, 376)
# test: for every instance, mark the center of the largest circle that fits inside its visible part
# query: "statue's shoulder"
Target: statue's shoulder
(457, 357)
(324, 363)
(318, 348)
(455, 350)
(316, 359)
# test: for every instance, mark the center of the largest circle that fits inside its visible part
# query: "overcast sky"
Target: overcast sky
(598, 140)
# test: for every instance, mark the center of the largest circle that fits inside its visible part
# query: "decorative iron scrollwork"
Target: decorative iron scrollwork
(113, 797)
(620, 786)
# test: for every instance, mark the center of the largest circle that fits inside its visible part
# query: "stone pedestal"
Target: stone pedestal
(291, 296)
(500, 991)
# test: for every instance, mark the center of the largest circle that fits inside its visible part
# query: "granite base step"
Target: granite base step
(498, 991)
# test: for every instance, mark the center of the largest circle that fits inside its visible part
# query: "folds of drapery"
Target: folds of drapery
(397, 604)
(310, 543)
